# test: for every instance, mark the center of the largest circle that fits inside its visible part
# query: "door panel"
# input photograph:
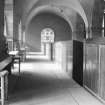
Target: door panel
(78, 62)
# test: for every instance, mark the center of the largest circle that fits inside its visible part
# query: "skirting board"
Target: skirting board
(90, 91)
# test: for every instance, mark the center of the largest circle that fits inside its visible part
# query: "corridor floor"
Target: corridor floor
(43, 83)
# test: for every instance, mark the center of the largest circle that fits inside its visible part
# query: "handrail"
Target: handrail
(3, 73)
(5, 62)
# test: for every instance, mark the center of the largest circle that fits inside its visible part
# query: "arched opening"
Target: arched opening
(63, 35)
(60, 26)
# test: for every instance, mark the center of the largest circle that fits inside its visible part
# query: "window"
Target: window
(47, 35)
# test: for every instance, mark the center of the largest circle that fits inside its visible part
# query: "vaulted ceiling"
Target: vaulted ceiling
(80, 14)
(71, 9)
(84, 8)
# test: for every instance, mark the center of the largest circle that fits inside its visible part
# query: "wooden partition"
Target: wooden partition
(94, 70)
(102, 70)
(91, 72)
(63, 55)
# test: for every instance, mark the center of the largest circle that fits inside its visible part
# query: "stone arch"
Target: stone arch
(60, 26)
(75, 5)
(47, 8)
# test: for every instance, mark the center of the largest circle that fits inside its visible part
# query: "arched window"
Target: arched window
(47, 35)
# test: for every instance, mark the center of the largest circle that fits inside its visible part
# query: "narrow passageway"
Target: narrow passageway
(42, 82)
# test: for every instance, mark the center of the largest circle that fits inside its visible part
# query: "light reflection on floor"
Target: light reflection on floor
(43, 83)
(34, 64)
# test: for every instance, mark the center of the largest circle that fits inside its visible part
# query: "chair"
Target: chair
(16, 59)
(22, 54)
(3, 87)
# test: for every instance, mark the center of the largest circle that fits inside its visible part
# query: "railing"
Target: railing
(4, 87)
(5, 69)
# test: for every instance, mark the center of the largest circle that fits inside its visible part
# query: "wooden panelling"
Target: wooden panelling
(92, 67)
(102, 71)
(63, 55)
(94, 71)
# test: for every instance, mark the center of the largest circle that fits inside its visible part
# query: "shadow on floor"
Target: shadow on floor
(29, 85)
